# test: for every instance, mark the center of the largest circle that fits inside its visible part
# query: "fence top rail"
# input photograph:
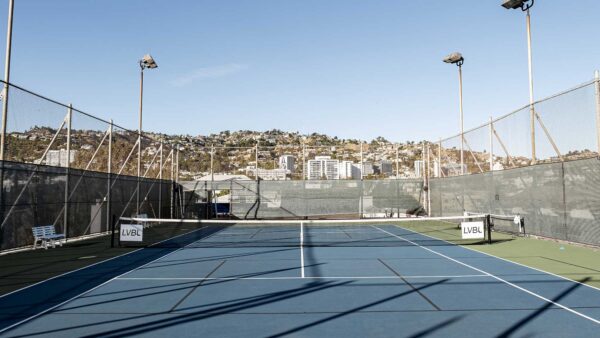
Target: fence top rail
(487, 124)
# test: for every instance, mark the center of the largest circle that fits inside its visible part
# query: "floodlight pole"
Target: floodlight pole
(145, 62)
(139, 161)
(11, 4)
(532, 110)
(462, 130)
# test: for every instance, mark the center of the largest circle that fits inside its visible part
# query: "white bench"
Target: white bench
(46, 235)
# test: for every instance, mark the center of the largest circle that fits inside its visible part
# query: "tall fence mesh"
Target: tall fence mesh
(556, 192)
(66, 168)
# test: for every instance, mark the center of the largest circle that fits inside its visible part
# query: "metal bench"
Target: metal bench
(46, 235)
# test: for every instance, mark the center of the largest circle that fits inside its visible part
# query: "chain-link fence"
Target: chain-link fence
(349, 160)
(556, 190)
(560, 128)
(75, 171)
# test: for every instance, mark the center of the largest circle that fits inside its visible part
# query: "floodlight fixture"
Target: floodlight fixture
(514, 4)
(455, 58)
(148, 62)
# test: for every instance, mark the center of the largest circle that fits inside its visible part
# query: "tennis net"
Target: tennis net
(215, 233)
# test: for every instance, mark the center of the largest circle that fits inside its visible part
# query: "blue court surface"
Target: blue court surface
(419, 287)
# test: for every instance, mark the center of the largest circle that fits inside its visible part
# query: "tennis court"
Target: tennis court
(366, 278)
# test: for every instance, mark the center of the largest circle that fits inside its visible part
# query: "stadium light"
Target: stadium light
(146, 62)
(457, 59)
(514, 4)
(525, 5)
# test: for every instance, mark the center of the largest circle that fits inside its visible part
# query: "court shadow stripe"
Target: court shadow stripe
(197, 286)
(410, 285)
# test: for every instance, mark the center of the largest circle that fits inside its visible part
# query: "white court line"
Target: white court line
(290, 278)
(302, 249)
(2, 330)
(493, 276)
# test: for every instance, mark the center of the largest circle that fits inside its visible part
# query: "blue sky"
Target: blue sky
(349, 68)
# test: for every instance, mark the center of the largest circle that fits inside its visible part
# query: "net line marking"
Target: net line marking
(491, 275)
(2, 330)
(292, 277)
(302, 249)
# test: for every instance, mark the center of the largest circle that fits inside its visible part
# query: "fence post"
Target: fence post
(172, 183)
(362, 164)
(439, 171)
(177, 165)
(180, 191)
(362, 169)
(6, 78)
(109, 176)
(423, 160)
(491, 144)
(212, 178)
(597, 78)
(304, 168)
(212, 154)
(256, 161)
(160, 182)
(428, 165)
(68, 167)
(397, 161)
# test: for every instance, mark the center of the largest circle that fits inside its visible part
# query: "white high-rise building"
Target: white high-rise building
(331, 169)
(368, 168)
(323, 167)
(287, 162)
(345, 170)
(356, 171)
(315, 170)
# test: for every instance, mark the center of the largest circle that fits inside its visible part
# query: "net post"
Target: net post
(112, 231)
(488, 223)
